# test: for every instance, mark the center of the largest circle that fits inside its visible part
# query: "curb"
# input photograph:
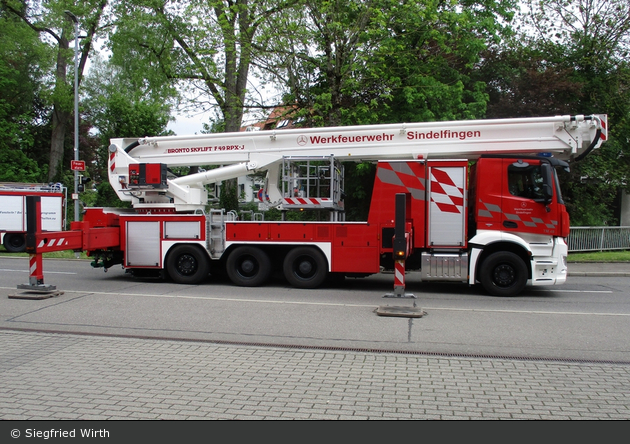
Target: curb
(599, 273)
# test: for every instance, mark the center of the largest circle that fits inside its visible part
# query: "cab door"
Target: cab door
(528, 204)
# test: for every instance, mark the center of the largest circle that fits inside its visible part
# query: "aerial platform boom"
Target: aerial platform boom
(237, 154)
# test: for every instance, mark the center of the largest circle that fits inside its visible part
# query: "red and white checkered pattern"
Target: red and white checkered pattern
(445, 193)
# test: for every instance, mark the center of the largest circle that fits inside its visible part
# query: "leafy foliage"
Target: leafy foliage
(357, 62)
(22, 78)
(202, 48)
(15, 166)
(116, 106)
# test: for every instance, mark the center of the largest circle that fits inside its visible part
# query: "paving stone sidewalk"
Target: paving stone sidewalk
(65, 377)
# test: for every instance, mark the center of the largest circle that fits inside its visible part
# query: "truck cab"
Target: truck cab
(519, 223)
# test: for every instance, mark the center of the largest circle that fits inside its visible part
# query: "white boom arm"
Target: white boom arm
(238, 154)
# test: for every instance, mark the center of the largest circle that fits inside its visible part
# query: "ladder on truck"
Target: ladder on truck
(215, 227)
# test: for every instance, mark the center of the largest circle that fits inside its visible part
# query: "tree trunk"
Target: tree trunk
(235, 82)
(60, 116)
(60, 121)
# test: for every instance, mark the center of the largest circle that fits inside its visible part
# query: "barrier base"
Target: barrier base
(36, 292)
(400, 295)
(405, 312)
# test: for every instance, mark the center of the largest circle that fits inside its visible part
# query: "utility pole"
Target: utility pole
(75, 195)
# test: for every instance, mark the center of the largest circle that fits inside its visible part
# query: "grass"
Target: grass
(56, 255)
(600, 256)
(595, 256)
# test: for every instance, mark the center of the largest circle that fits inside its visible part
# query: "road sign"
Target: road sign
(77, 165)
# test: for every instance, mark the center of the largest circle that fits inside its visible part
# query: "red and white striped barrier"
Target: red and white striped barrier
(307, 200)
(399, 278)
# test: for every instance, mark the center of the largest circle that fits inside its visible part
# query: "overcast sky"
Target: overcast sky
(187, 125)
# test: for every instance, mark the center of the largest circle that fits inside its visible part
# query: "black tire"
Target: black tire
(305, 267)
(503, 274)
(14, 242)
(248, 266)
(187, 264)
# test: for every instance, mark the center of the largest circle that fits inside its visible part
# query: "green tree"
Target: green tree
(522, 81)
(15, 166)
(201, 47)
(427, 52)
(380, 61)
(315, 48)
(115, 106)
(355, 62)
(54, 23)
(23, 66)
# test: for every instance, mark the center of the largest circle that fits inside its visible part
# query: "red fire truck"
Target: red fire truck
(13, 211)
(476, 202)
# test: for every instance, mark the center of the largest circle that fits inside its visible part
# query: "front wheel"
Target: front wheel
(187, 264)
(305, 267)
(503, 274)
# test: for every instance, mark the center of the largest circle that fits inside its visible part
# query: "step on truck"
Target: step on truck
(474, 201)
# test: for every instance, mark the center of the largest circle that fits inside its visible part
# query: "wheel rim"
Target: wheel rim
(504, 275)
(16, 241)
(304, 267)
(186, 265)
(247, 267)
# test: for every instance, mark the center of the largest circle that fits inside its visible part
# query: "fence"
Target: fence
(599, 238)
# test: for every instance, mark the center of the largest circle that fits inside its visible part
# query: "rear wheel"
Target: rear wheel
(503, 274)
(187, 264)
(14, 242)
(305, 267)
(248, 266)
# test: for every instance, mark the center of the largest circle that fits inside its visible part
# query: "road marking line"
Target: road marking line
(331, 304)
(47, 272)
(575, 291)
(572, 313)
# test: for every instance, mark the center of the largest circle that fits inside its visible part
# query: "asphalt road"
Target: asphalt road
(587, 319)
(113, 347)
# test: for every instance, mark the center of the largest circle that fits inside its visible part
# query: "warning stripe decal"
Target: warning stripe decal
(445, 194)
